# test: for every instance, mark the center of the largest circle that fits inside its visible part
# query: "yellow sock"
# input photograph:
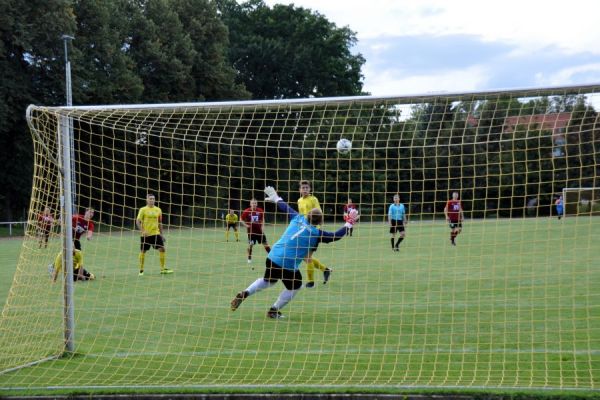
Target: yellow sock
(226, 235)
(310, 271)
(237, 235)
(142, 257)
(162, 256)
(319, 264)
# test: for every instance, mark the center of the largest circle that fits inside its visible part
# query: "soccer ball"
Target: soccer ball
(344, 146)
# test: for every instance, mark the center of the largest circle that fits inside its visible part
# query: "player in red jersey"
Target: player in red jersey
(45, 222)
(253, 219)
(83, 224)
(454, 215)
(347, 208)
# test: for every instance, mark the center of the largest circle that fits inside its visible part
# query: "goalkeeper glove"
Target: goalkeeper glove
(271, 195)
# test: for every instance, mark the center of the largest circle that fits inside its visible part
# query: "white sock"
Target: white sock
(258, 285)
(285, 297)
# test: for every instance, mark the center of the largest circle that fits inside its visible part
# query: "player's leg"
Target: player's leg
(162, 254)
(393, 234)
(292, 281)
(144, 247)
(310, 273)
(400, 237)
(236, 233)
(263, 241)
(271, 276)
(453, 234)
(251, 243)
(227, 233)
(326, 271)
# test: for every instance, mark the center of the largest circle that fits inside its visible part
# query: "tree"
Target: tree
(103, 69)
(213, 76)
(32, 72)
(289, 52)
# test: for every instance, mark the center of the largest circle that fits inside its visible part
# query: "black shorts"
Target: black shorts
(454, 225)
(77, 244)
(292, 279)
(86, 275)
(234, 226)
(155, 241)
(256, 238)
(396, 225)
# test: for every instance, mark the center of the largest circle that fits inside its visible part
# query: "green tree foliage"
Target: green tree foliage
(290, 52)
(31, 68)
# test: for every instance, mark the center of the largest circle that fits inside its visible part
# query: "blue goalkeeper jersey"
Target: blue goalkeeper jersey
(298, 239)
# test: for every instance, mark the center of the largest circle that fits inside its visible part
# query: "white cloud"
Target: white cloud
(572, 26)
(567, 76)
(393, 82)
(531, 42)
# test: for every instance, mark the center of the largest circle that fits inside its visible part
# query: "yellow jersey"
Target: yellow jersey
(305, 204)
(77, 261)
(150, 218)
(231, 218)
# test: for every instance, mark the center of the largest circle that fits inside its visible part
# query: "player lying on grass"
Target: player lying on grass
(296, 243)
(79, 273)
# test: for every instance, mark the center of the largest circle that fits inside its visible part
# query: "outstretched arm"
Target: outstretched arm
(284, 207)
(328, 237)
(272, 196)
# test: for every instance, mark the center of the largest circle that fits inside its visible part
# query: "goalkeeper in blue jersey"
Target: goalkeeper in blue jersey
(297, 242)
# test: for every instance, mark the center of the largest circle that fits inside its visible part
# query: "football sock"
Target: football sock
(400, 239)
(250, 253)
(268, 249)
(258, 285)
(227, 235)
(392, 241)
(142, 258)
(162, 256)
(237, 235)
(310, 271)
(285, 297)
(319, 264)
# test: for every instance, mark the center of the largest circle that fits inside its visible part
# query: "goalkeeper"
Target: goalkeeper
(306, 203)
(283, 262)
(79, 273)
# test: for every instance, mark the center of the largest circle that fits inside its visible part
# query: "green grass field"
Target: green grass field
(515, 305)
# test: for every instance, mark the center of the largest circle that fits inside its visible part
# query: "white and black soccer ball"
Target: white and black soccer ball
(344, 146)
(142, 138)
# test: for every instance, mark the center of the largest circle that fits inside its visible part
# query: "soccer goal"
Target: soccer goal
(581, 201)
(502, 298)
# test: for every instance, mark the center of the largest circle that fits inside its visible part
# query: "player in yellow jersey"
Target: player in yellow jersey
(149, 222)
(306, 203)
(231, 220)
(79, 273)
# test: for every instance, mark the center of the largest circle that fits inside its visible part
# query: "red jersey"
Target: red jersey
(254, 219)
(453, 208)
(45, 221)
(80, 225)
(349, 207)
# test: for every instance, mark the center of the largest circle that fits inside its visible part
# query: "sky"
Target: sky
(431, 46)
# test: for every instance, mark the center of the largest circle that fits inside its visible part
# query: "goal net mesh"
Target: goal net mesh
(514, 304)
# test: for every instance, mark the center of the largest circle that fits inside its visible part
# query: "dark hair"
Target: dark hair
(305, 182)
